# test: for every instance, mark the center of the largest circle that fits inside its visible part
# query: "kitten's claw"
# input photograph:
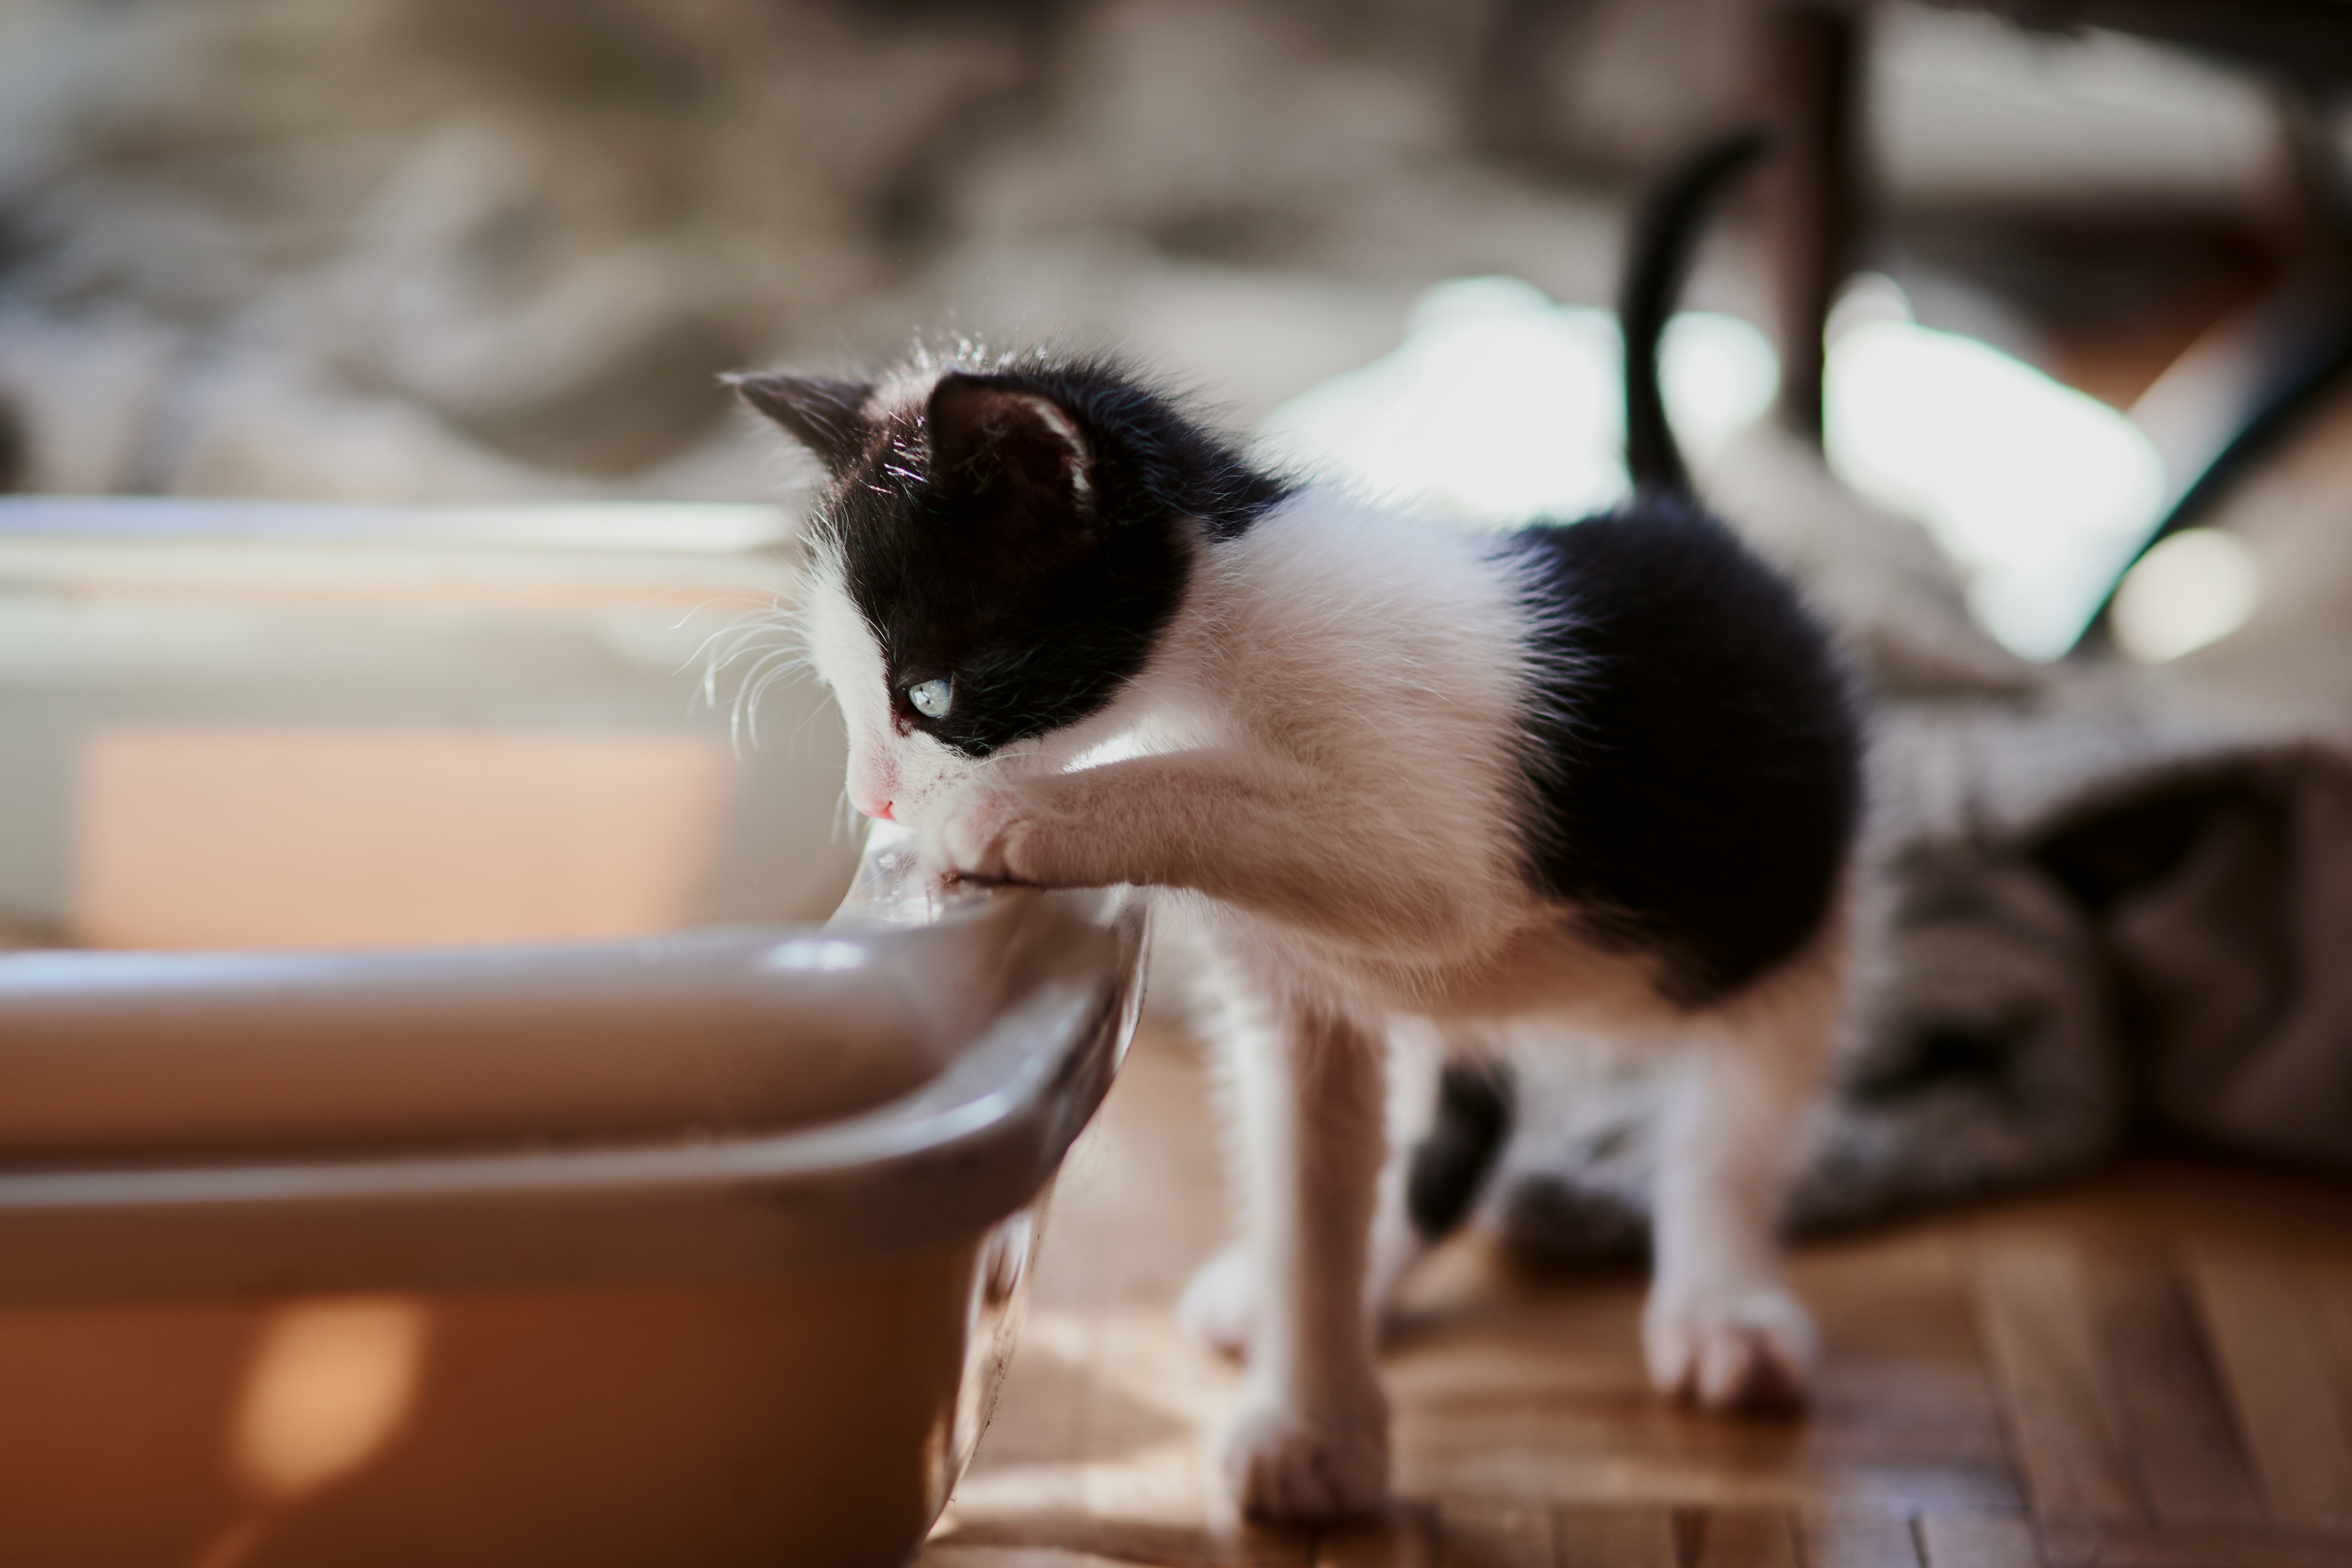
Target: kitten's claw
(1221, 1303)
(1282, 1463)
(1747, 1349)
(977, 836)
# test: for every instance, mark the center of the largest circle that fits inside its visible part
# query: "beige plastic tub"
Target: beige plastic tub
(682, 1245)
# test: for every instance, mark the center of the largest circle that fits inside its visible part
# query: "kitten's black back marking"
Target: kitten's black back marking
(976, 551)
(1697, 775)
(1693, 753)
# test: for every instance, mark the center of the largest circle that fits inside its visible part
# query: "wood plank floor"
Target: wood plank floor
(2151, 1369)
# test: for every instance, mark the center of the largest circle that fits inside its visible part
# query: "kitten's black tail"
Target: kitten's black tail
(1665, 235)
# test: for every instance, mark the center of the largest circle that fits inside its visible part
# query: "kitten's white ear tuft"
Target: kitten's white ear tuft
(987, 434)
(826, 416)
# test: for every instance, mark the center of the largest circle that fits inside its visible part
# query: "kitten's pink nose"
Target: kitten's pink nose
(879, 812)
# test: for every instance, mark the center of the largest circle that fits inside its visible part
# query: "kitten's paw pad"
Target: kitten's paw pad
(1735, 1350)
(1284, 1464)
(1220, 1305)
(978, 836)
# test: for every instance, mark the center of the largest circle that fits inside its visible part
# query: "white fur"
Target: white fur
(1316, 770)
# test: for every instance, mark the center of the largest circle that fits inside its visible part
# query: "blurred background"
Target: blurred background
(431, 250)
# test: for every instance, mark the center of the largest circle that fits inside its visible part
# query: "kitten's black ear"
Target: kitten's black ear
(1014, 444)
(826, 416)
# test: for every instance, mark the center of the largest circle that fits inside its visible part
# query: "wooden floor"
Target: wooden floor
(2155, 1368)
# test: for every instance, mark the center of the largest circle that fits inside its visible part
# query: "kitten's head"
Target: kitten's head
(994, 555)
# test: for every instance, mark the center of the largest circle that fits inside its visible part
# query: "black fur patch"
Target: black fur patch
(1547, 1218)
(1693, 753)
(1036, 588)
(1449, 1166)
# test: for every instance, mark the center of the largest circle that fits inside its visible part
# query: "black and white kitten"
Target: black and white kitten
(1398, 777)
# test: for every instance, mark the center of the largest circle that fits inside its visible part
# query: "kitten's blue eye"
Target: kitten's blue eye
(930, 698)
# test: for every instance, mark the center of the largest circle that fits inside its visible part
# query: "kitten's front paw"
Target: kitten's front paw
(1220, 1305)
(979, 835)
(1747, 1348)
(1284, 1463)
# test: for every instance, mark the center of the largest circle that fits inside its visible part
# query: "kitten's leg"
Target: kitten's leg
(1311, 1439)
(1244, 830)
(1722, 1328)
(1220, 1302)
(1416, 1057)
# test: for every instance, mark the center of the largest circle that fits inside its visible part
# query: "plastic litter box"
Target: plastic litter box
(677, 1240)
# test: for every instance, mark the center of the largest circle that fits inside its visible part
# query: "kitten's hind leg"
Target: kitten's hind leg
(1311, 1439)
(1450, 1107)
(1722, 1328)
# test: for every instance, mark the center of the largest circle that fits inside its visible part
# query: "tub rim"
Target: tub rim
(941, 1163)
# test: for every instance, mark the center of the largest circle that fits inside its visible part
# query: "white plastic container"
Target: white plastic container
(244, 725)
(683, 1247)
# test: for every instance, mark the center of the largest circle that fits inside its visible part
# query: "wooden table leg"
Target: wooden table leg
(1812, 58)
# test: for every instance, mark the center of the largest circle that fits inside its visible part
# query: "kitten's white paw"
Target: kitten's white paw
(1283, 1463)
(1220, 1305)
(1748, 1347)
(978, 834)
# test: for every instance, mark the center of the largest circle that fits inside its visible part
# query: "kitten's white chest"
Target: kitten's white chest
(1535, 967)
